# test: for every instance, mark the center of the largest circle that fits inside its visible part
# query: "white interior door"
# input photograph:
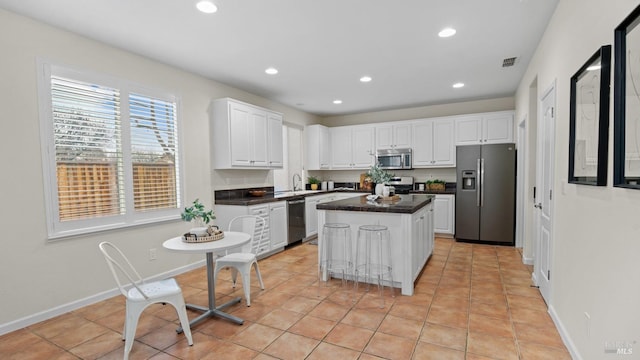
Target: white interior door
(544, 193)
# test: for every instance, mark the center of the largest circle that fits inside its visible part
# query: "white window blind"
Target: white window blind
(153, 152)
(86, 120)
(111, 153)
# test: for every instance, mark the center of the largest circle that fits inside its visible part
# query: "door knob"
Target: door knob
(538, 205)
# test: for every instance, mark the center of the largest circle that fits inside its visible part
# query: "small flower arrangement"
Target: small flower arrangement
(197, 212)
(379, 175)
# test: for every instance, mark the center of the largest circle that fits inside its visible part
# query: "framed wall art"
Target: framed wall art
(589, 120)
(626, 103)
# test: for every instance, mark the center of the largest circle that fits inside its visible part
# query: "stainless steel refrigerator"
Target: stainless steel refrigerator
(486, 193)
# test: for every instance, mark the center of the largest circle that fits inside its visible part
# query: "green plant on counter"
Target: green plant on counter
(313, 180)
(197, 212)
(379, 175)
(436, 185)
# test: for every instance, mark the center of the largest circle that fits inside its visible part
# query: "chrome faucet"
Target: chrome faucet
(295, 185)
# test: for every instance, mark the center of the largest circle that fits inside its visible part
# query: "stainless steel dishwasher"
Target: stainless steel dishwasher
(296, 220)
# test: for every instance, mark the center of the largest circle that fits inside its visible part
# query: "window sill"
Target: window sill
(70, 234)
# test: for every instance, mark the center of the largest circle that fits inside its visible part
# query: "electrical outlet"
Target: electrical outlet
(153, 254)
(588, 323)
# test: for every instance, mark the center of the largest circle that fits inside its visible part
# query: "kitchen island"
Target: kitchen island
(410, 222)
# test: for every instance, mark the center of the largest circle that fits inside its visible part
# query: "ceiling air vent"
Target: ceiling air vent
(508, 62)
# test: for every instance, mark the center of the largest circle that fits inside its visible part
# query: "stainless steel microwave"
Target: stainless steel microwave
(394, 159)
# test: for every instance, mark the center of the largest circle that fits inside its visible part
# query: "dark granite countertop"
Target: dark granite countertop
(242, 198)
(407, 204)
(447, 191)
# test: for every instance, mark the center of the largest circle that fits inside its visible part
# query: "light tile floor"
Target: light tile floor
(471, 301)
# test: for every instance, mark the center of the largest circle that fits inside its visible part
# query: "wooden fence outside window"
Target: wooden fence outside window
(88, 190)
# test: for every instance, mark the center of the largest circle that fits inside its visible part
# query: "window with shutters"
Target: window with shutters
(110, 152)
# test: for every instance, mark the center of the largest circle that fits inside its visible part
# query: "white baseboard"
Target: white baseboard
(77, 304)
(527, 260)
(573, 351)
(443, 235)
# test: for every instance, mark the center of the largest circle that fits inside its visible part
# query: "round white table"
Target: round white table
(231, 240)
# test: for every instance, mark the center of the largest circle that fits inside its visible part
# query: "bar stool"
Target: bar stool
(373, 258)
(335, 252)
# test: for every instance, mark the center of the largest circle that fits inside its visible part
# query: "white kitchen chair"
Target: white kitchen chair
(243, 260)
(140, 294)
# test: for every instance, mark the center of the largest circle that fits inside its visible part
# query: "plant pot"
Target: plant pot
(379, 189)
(314, 186)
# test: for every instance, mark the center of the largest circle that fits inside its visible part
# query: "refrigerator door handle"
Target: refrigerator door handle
(479, 184)
(482, 182)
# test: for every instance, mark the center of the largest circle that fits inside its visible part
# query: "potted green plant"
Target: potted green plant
(436, 185)
(313, 181)
(379, 177)
(198, 213)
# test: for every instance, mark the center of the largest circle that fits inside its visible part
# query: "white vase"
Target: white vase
(385, 191)
(379, 189)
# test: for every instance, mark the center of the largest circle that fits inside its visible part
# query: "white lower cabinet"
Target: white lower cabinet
(422, 242)
(278, 224)
(311, 213)
(411, 236)
(275, 222)
(444, 214)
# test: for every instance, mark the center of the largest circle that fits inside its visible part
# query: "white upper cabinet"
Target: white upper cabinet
(497, 128)
(352, 147)
(318, 147)
(489, 128)
(390, 136)
(245, 136)
(433, 143)
(468, 130)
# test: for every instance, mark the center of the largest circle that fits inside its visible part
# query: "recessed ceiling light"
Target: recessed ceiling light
(271, 71)
(446, 32)
(206, 7)
(337, 101)
(366, 78)
(458, 85)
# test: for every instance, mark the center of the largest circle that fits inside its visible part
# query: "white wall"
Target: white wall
(595, 263)
(35, 275)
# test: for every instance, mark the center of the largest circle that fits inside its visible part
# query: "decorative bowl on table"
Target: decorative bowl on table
(212, 233)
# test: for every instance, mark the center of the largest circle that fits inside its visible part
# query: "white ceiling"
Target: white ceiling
(322, 48)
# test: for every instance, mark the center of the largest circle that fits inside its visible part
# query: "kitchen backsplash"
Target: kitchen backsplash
(237, 179)
(419, 175)
(243, 179)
